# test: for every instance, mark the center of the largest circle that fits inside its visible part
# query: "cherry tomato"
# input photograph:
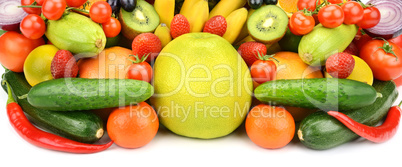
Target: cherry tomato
(112, 27)
(310, 5)
(335, 1)
(331, 16)
(397, 41)
(140, 71)
(263, 71)
(301, 24)
(385, 65)
(53, 9)
(15, 48)
(30, 10)
(353, 12)
(100, 12)
(371, 18)
(75, 3)
(39, 2)
(32, 26)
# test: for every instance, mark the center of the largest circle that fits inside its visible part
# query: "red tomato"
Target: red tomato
(335, 1)
(353, 12)
(263, 71)
(39, 2)
(397, 41)
(301, 24)
(112, 27)
(385, 65)
(54, 9)
(75, 3)
(15, 48)
(371, 18)
(140, 71)
(398, 81)
(100, 12)
(307, 4)
(331, 16)
(30, 10)
(32, 26)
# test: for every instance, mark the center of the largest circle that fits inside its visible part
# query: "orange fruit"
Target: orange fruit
(289, 6)
(133, 126)
(269, 126)
(110, 63)
(291, 66)
(87, 5)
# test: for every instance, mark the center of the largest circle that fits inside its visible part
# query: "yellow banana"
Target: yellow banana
(198, 16)
(163, 33)
(165, 10)
(187, 7)
(244, 31)
(235, 22)
(225, 7)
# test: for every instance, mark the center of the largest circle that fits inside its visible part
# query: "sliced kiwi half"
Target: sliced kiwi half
(142, 19)
(268, 24)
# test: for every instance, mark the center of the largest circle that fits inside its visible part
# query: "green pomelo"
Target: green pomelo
(202, 86)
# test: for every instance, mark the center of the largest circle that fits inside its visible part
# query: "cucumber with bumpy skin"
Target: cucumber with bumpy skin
(321, 131)
(80, 126)
(320, 93)
(71, 94)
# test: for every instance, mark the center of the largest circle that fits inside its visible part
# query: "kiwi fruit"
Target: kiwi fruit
(142, 19)
(268, 24)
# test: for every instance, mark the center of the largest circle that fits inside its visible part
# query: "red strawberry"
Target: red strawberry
(340, 65)
(179, 26)
(249, 51)
(216, 25)
(146, 44)
(64, 65)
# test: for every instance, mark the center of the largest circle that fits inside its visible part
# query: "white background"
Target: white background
(168, 149)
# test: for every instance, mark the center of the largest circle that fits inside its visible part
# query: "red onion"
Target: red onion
(11, 15)
(390, 25)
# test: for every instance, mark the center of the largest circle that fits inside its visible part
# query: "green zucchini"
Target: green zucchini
(321, 131)
(72, 94)
(80, 126)
(319, 44)
(319, 93)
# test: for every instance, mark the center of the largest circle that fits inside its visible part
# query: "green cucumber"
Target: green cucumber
(77, 34)
(321, 131)
(319, 93)
(290, 42)
(71, 94)
(80, 126)
(319, 44)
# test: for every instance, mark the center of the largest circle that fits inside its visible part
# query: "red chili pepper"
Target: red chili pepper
(377, 134)
(44, 139)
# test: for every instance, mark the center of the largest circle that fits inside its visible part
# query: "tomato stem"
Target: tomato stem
(137, 59)
(388, 48)
(30, 6)
(76, 9)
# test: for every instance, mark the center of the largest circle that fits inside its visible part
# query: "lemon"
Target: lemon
(37, 64)
(361, 72)
(202, 86)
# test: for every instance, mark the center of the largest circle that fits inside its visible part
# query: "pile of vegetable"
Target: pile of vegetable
(67, 60)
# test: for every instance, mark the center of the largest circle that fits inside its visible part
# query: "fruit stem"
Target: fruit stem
(76, 9)
(400, 104)
(388, 48)
(137, 59)
(30, 6)
(267, 57)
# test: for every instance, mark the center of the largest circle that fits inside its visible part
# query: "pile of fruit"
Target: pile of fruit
(80, 68)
